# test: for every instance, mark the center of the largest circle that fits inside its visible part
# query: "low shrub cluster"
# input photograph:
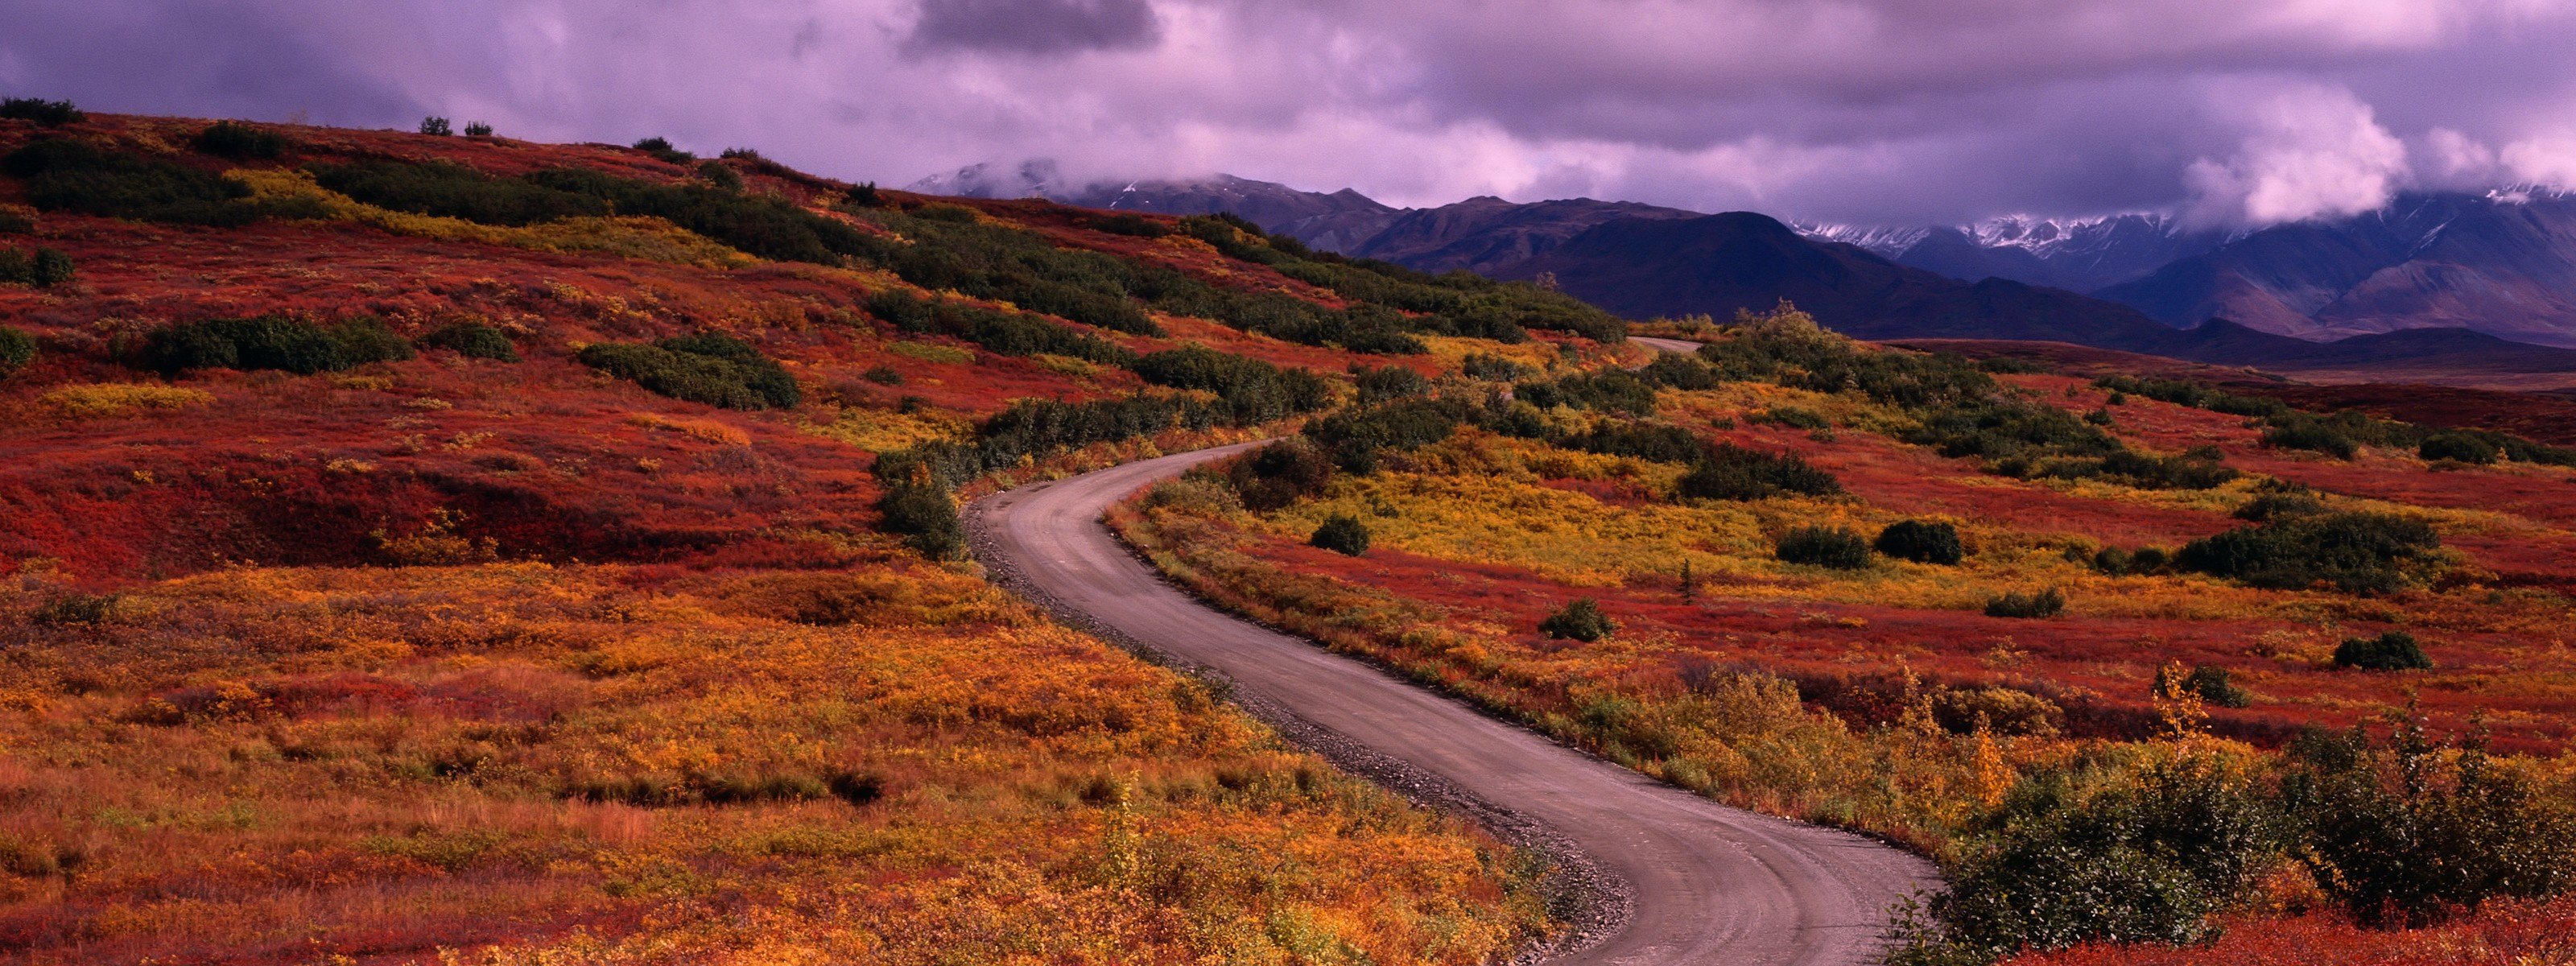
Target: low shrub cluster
(17, 351)
(2398, 834)
(2343, 434)
(2390, 651)
(1356, 438)
(1830, 547)
(1388, 383)
(272, 342)
(42, 268)
(473, 340)
(761, 225)
(1343, 534)
(239, 141)
(2457, 448)
(2208, 683)
(2196, 470)
(1579, 620)
(64, 175)
(1493, 368)
(1279, 474)
(2144, 561)
(1251, 390)
(661, 149)
(1005, 333)
(2357, 553)
(41, 111)
(1610, 390)
(2031, 606)
(1731, 472)
(710, 368)
(1922, 541)
(1005, 263)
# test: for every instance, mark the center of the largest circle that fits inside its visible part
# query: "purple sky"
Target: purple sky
(2232, 111)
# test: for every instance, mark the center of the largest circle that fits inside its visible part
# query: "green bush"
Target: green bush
(661, 149)
(709, 368)
(365, 338)
(477, 129)
(1279, 474)
(41, 111)
(2046, 603)
(1581, 620)
(1005, 333)
(1610, 391)
(436, 126)
(1796, 417)
(473, 340)
(926, 516)
(234, 139)
(2406, 835)
(2353, 552)
(722, 177)
(45, 268)
(456, 191)
(883, 375)
(1681, 372)
(2458, 448)
(2133, 468)
(2207, 682)
(1389, 384)
(1922, 541)
(1357, 438)
(2147, 858)
(2390, 651)
(1832, 547)
(17, 351)
(2115, 562)
(1646, 441)
(1252, 391)
(1493, 368)
(70, 176)
(272, 342)
(1731, 472)
(1343, 534)
(2313, 436)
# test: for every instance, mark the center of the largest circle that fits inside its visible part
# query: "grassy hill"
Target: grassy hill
(2137, 657)
(428, 543)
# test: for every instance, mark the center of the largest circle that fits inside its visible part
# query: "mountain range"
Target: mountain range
(2492, 275)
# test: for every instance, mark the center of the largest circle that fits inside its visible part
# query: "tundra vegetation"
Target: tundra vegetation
(429, 548)
(2140, 684)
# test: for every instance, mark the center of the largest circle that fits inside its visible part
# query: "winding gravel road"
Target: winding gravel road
(1680, 879)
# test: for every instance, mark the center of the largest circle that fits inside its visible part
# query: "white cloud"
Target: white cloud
(2549, 159)
(2311, 151)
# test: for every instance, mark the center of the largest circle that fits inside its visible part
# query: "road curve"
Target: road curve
(1705, 883)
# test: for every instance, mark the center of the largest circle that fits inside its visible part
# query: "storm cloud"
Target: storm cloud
(2227, 111)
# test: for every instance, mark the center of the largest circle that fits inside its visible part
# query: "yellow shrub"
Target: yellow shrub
(883, 430)
(711, 431)
(122, 399)
(932, 352)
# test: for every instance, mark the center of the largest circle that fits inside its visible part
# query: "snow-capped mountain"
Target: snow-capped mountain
(1033, 178)
(2078, 254)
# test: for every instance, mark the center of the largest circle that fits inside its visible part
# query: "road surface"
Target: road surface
(1682, 879)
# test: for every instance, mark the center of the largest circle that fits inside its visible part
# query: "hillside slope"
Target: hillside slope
(428, 543)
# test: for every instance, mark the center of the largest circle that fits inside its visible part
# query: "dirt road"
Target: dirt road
(1686, 880)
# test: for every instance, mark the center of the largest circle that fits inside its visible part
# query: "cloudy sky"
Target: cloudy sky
(1888, 111)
